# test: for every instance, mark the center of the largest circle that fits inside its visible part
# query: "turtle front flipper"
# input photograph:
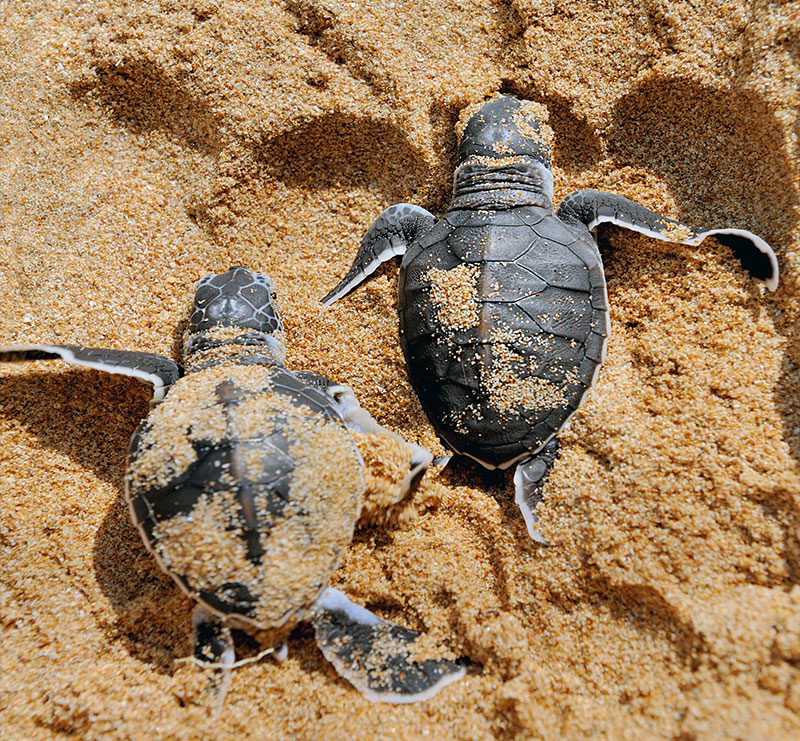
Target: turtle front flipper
(158, 371)
(592, 207)
(380, 659)
(388, 236)
(357, 418)
(529, 479)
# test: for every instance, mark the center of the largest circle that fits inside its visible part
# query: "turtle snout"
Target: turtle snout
(505, 128)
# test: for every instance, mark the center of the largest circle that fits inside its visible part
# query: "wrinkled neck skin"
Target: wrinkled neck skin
(483, 183)
(225, 345)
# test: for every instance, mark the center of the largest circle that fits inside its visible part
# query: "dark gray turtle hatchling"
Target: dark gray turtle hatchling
(502, 303)
(245, 483)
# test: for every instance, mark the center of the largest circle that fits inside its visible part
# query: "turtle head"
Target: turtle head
(506, 145)
(506, 128)
(234, 319)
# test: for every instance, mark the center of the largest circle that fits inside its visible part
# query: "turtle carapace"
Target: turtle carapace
(502, 303)
(246, 484)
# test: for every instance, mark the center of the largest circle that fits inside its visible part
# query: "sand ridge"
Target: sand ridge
(145, 145)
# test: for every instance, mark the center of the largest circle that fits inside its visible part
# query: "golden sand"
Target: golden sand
(145, 145)
(452, 293)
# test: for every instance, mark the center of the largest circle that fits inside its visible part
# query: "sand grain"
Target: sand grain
(145, 145)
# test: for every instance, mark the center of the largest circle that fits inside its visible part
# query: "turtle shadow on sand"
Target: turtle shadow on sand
(121, 90)
(154, 618)
(717, 149)
(90, 416)
(576, 147)
(84, 414)
(725, 148)
(327, 152)
(331, 152)
(711, 147)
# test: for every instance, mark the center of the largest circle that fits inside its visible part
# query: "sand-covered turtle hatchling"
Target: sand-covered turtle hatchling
(502, 303)
(246, 484)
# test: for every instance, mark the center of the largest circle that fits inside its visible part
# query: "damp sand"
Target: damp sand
(148, 144)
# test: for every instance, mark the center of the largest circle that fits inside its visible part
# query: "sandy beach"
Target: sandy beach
(145, 145)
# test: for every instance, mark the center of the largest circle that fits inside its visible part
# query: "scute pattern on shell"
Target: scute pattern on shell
(500, 387)
(266, 485)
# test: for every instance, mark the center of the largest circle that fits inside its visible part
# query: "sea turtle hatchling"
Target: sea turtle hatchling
(502, 303)
(245, 483)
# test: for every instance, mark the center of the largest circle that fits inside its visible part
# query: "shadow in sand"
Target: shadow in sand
(461, 471)
(726, 149)
(711, 147)
(303, 646)
(444, 142)
(645, 608)
(337, 150)
(89, 416)
(154, 618)
(178, 337)
(124, 90)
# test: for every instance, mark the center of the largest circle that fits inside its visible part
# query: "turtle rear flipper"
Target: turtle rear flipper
(213, 647)
(388, 236)
(375, 656)
(529, 479)
(158, 371)
(592, 207)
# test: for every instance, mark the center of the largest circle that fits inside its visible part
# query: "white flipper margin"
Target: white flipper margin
(522, 489)
(334, 600)
(395, 248)
(160, 388)
(387, 237)
(697, 237)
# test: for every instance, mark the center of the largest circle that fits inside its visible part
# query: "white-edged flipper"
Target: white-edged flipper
(213, 647)
(158, 371)
(442, 461)
(388, 237)
(529, 479)
(375, 656)
(420, 462)
(359, 419)
(593, 207)
(281, 653)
